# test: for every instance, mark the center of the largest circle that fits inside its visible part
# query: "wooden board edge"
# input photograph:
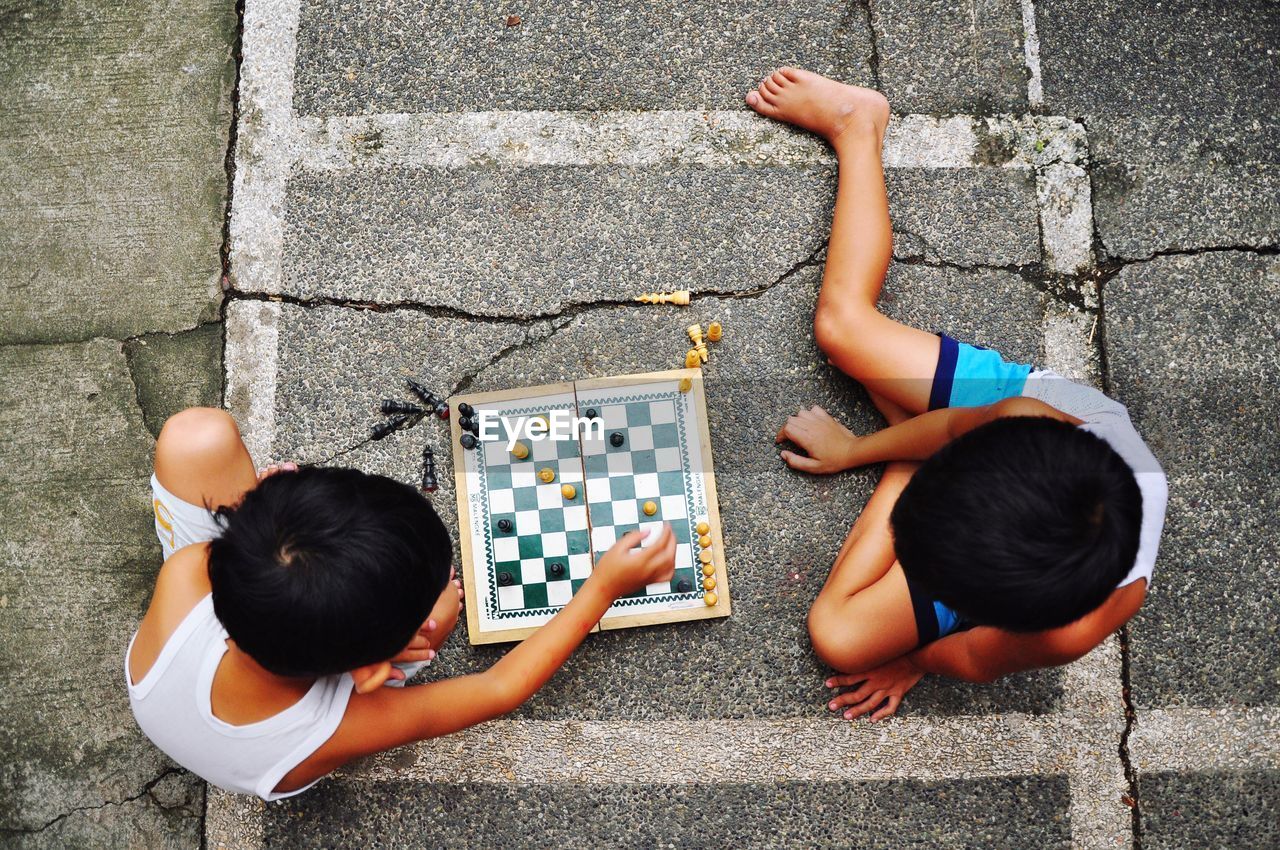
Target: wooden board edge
(723, 597)
(658, 618)
(638, 378)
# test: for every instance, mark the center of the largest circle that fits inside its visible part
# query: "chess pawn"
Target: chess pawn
(680, 298)
(714, 332)
(692, 360)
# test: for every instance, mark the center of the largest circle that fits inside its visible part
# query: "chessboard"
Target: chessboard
(536, 512)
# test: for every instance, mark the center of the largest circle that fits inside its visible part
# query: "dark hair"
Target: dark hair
(321, 571)
(1025, 523)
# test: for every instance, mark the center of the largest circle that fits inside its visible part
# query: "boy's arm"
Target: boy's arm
(831, 447)
(389, 717)
(983, 654)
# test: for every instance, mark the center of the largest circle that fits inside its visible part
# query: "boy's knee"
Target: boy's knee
(836, 638)
(198, 432)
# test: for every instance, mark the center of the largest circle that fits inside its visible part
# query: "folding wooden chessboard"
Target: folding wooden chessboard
(526, 548)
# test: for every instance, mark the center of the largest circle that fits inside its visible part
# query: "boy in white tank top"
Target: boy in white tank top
(261, 662)
(1029, 531)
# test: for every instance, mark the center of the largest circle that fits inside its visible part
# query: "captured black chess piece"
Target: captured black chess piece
(391, 406)
(428, 398)
(382, 429)
(429, 483)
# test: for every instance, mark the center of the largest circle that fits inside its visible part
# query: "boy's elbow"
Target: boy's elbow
(506, 691)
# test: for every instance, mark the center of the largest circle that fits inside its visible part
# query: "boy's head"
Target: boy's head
(1024, 523)
(323, 571)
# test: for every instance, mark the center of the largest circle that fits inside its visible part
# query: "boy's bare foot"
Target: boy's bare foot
(821, 105)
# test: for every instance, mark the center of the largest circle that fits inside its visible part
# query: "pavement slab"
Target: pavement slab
(1013, 812)
(1179, 101)
(944, 58)
(766, 364)
(76, 569)
(112, 185)
(1191, 349)
(529, 241)
(1219, 809)
(389, 56)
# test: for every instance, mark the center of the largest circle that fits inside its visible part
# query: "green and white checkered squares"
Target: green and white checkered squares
(613, 483)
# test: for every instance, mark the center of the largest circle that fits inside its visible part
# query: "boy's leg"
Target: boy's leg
(201, 459)
(891, 359)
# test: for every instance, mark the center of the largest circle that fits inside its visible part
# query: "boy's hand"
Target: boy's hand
(887, 682)
(625, 568)
(268, 471)
(829, 445)
(437, 627)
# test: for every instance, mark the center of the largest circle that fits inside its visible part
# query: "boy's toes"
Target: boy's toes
(759, 103)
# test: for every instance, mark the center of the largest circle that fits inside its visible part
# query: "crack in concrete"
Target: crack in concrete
(569, 310)
(553, 325)
(229, 159)
(1126, 694)
(1130, 719)
(530, 337)
(444, 311)
(145, 792)
(873, 61)
(1260, 250)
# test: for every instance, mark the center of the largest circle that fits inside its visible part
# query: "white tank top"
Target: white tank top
(173, 706)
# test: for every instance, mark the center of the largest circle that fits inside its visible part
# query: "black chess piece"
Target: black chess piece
(429, 483)
(382, 429)
(616, 439)
(684, 586)
(428, 397)
(505, 579)
(390, 406)
(468, 441)
(504, 525)
(557, 569)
